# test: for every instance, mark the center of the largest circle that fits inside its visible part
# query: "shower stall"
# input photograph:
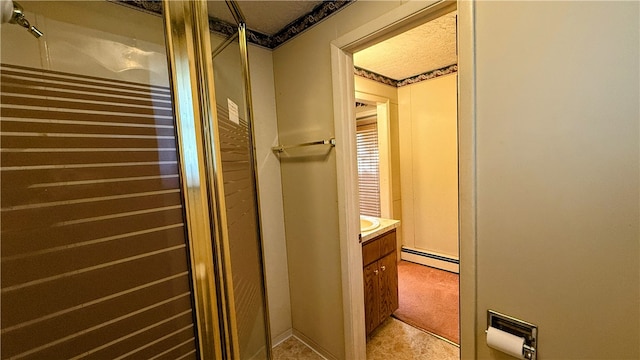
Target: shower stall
(129, 203)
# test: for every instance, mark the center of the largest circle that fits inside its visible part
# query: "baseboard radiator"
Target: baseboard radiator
(427, 258)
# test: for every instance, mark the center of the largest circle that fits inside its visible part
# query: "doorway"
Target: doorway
(417, 69)
(406, 17)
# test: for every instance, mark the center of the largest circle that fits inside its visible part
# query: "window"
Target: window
(368, 166)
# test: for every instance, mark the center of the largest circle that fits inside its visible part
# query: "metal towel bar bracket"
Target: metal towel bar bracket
(281, 148)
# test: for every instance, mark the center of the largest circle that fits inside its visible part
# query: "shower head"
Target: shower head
(13, 13)
(6, 11)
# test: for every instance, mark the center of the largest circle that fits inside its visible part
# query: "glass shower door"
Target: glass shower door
(94, 251)
(247, 303)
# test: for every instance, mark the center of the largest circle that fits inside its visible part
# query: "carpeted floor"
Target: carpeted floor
(429, 299)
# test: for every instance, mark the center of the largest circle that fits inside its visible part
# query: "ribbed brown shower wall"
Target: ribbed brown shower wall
(93, 255)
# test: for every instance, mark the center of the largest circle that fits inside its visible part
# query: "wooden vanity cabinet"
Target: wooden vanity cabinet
(380, 265)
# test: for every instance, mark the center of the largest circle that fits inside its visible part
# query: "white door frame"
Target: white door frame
(394, 22)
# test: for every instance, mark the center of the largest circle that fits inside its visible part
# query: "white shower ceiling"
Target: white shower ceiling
(427, 47)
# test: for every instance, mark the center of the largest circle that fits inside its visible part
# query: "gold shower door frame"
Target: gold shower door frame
(191, 68)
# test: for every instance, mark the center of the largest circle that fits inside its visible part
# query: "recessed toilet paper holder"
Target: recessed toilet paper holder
(517, 328)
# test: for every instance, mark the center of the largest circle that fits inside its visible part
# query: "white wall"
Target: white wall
(558, 174)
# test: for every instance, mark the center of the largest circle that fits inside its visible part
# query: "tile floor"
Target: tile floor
(399, 341)
(294, 349)
(392, 340)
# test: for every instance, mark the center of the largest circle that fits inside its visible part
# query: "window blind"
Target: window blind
(368, 167)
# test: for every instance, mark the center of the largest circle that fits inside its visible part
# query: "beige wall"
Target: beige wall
(429, 165)
(302, 69)
(368, 86)
(272, 215)
(558, 174)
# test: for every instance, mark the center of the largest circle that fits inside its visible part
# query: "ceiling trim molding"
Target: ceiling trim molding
(227, 29)
(375, 76)
(297, 26)
(293, 29)
(149, 6)
(429, 75)
(260, 39)
(432, 74)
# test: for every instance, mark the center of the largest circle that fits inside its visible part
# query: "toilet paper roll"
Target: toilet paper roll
(505, 342)
(6, 11)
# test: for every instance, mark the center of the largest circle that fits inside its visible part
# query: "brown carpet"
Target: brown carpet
(429, 299)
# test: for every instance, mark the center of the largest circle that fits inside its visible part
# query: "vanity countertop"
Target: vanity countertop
(386, 225)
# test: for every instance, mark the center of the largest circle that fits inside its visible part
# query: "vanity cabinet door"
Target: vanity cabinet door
(380, 279)
(388, 285)
(371, 296)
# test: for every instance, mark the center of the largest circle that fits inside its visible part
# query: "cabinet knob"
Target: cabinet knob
(383, 268)
(375, 271)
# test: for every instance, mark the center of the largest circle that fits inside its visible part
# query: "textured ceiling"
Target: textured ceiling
(427, 47)
(267, 17)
